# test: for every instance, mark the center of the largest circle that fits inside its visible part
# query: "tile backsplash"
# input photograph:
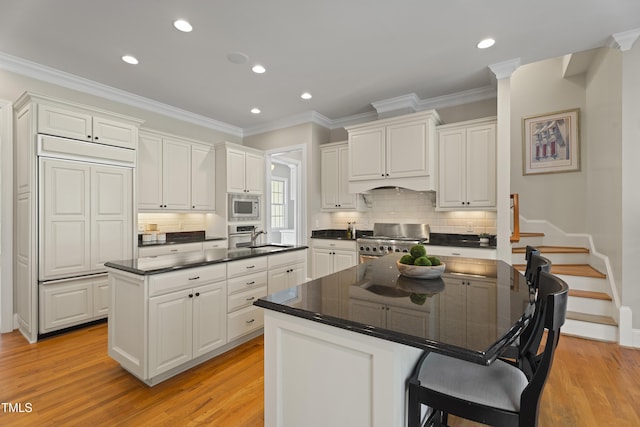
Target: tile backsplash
(408, 206)
(171, 222)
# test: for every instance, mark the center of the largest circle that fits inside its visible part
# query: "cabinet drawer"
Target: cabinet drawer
(246, 266)
(214, 244)
(169, 249)
(293, 257)
(245, 299)
(461, 252)
(65, 304)
(348, 245)
(246, 282)
(167, 282)
(243, 321)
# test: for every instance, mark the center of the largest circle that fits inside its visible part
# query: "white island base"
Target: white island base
(317, 375)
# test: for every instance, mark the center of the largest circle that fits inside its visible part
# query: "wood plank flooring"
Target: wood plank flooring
(69, 380)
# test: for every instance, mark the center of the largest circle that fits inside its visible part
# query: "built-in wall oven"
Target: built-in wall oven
(243, 207)
(240, 235)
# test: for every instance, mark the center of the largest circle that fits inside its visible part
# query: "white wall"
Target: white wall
(560, 198)
(602, 116)
(6, 217)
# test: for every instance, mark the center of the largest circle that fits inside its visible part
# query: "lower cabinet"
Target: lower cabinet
(186, 324)
(330, 256)
(73, 302)
(412, 322)
(287, 270)
(247, 282)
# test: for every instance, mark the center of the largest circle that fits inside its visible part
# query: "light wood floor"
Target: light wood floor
(70, 380)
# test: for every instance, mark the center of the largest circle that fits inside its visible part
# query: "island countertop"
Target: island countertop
(165, 263)
(472, 311)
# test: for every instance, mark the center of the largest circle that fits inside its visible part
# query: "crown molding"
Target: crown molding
(503, 70)
(409, 101)
(295, 120)
(472, 95)
(71, 81)
(624, 40)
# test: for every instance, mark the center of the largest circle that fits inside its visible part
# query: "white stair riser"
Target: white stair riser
(583, 283)
(590, 306)
(595, 331)
(562, 258)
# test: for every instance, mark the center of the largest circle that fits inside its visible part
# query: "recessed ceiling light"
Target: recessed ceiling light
(255, 110)
(258, 69)
(238, 57)
(306, 95)
(130, 59)
(483, 44)
(183, 25)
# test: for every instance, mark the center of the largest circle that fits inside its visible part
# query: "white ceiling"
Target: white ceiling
(347, 53)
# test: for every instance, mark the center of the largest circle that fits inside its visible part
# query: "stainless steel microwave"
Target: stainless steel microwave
(243, 207)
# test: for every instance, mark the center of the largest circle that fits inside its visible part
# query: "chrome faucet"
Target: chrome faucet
(254, 235)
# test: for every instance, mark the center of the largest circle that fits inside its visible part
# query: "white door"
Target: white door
(149, 172)
(203, 178)
(176, 174)
(209, 318)
(322, 262)
(344, 259)
(330, 178)
(481, 166)
(170, 331)
(61, 122)
(407, 149)
(65, 223)
(278, 279)
(111, 215)
(254, 173)
(345, 198)
(367, 154)
(235, 171)
(111, 132)
(452, 176)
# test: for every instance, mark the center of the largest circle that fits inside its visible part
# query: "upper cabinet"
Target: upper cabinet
(334, 160)
(467, 165)
(242, 168)
(86, 125)
(175, 174)
(398, 151)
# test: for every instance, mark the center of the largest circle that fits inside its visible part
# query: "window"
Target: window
(278, 203)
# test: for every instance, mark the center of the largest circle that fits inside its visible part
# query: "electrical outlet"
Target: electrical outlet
(469, 227)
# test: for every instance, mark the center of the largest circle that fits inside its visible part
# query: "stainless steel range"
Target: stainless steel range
(388, 238)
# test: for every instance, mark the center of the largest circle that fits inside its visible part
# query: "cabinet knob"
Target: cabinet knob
(193, 207)
(95, 137)
(190, 295)
(387, 174)
(382, 175)
(197, 294)
(89, 136)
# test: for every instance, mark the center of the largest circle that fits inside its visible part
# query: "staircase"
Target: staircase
(592, 308)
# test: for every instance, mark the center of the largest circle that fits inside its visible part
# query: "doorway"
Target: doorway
(285, 200)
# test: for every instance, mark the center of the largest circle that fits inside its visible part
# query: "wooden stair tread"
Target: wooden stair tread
(592, 318)
(554, 250)
(589, 294)
(531, 234)
(571, 270)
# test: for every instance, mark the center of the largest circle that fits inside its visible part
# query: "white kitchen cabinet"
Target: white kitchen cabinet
(462, 302)
(86, 125)
(399, 151)
(330, 256)
(412, 322)
(175, 174)
(244, 169)
(467, 165)
(73, 302)
(158, 250)
(453, 251)
(287, 270)
(334, 172)
(87, 217)
(248, 280)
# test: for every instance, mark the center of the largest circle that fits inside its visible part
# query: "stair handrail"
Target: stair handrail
(515, 235)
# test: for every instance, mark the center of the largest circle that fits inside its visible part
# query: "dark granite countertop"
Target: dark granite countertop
(460, 240)
(337, 234)
(178, 237)
(165, 263)
(472, 311)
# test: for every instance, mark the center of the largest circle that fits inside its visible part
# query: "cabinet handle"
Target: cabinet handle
(190, 295)
(455, 253)
(248, 322)
(197, 294)
(250, 299)
(251, 283)
(175, 250)
(250, 266)
(95, 137)
(194, 278)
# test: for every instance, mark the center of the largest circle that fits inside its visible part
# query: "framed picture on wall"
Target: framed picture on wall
(551, 142)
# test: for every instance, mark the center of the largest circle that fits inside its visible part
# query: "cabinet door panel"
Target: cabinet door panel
(453, 322)
(330, 178)
(61, 122)
(367, 312)
(65, 225)
(322, 262)
(345, 198)
(344, 259)
(407, 150)
(149, 172)
(101, 298)
(452, 176)
(111, 210)
(481, 304)
(481, 166)
(209, 318)
(170, 331)
(254, 173)
(202, 178)
(176, 174)
(278, 280)
(235, 171)
(65, 304)
(114, 133)
(367, 155)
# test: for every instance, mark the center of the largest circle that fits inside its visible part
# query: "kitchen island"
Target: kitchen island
(170, 313)
(339, 349)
